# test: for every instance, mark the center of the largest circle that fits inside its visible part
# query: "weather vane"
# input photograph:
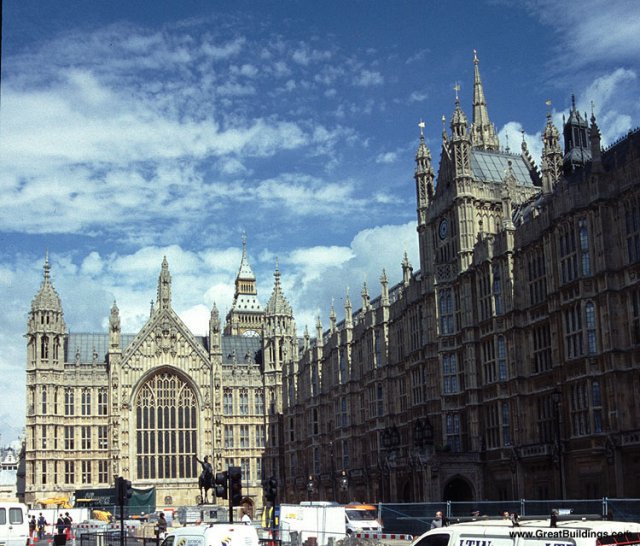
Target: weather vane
(456, 87)
(421, 124)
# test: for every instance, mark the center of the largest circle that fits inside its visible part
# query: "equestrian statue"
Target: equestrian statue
(205, 481)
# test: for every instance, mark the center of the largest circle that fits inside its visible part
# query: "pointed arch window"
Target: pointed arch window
(166, 428)
(590, 319)
(585, 259)
(497, 289)
(44, 400)
(44, 348)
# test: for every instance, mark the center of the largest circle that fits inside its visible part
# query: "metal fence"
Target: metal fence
(415, 518)
(113, 538)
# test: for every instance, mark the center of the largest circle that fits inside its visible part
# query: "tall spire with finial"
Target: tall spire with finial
(164, 286)
(483, 132)
(424, 177)
(278, 304)
(551, 164)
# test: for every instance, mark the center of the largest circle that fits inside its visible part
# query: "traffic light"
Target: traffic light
(124, 490)
(221, 485)
(271, 489)
(235, 485)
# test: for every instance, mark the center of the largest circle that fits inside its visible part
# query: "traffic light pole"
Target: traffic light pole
(121, 524)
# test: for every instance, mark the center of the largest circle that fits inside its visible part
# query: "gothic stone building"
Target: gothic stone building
(508, 366)
(144, 406)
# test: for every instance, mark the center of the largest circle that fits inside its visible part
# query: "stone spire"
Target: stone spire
(47, 298)
(407, 270)
(424, 177)
(332, 319)
(348, 311)
(551, 155)
(164, 286)
(483, 132)
(114, 328)
(594, 137)
(278, 304)
(384, 285)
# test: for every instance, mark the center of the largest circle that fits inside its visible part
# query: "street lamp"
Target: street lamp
(343, 482)
(310, 486)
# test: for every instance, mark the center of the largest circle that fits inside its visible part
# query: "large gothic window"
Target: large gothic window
(166, 429)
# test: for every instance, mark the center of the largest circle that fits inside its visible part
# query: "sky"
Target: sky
(130, 131)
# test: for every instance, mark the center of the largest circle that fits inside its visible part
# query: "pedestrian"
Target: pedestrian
(67, 525)
(553, 521)
(246, 519)
(60, 525)
(42, 525)
(162, 526)
(33, 525)
(436, 522)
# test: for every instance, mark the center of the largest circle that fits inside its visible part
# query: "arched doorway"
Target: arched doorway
(457, 489)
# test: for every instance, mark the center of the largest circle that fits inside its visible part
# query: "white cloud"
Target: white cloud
(387, 157)
(368, 78)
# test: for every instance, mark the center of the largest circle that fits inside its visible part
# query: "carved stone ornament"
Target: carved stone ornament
(166, 339)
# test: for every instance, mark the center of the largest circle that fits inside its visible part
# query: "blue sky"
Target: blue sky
(134, 130)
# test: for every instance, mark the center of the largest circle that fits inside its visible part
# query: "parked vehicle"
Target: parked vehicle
(229, 534)
(14, 525)
(533, 532)
(362, 518)
(320, 520)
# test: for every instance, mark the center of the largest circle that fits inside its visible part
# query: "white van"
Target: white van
(538, 532)
(14, 525)
(362, 518)
(216, 534)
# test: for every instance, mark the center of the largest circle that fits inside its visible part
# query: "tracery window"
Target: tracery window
(244, 402)
(585, 258)
(166, 428)
(85, 402)
(102, 401)
(450, 383)
(69, 401)
(632, 225)
(259, 402)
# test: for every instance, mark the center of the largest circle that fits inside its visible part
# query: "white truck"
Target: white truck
(14, 526)
(320, 520)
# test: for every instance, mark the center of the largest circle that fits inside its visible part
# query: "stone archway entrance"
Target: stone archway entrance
(458, 489)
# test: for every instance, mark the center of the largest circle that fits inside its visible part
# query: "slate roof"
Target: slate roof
(492, 167)
(238, 349)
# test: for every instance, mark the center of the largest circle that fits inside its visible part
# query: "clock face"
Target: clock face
(443, 228)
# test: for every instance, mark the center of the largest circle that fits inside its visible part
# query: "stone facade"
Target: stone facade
(144, 406)
(507, 367)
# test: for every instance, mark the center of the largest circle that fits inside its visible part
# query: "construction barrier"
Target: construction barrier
(383, 536)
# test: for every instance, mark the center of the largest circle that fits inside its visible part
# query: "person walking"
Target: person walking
(162, 526)
(42, 525)
(33, 525)
(436, 522)
(67, 525)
